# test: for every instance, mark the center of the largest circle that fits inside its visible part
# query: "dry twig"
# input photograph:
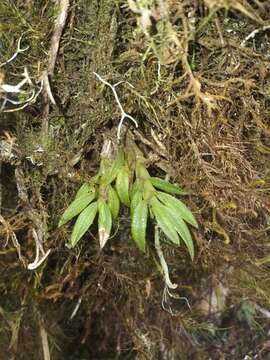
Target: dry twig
(55, 41)
(58, 29)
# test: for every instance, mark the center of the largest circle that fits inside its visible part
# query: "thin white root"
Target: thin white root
(162, 260)
(74, 312)
(6, 89)
(253, 34)
(39, 248)
(19, 50)
(24, 103)
(123, 113)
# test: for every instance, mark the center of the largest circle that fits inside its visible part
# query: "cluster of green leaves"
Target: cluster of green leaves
(127, 181)
(96, 197)
(151, 196)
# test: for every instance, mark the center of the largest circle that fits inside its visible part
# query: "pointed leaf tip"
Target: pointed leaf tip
(104, 222)
(166, 186)
(183, 231)
(165, 221)
(77, 205)
(179, 207)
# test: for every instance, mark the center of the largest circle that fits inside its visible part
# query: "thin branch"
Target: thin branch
(44, 341)
(123, 113)
(58, 29)
(55, 42)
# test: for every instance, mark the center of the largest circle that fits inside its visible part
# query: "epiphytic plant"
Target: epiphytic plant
(123, 178)
(126, 180)
(97, 196)
(153, 197)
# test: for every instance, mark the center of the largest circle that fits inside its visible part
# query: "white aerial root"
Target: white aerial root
(162, 260)
(24, 103)
(165, 303)
(123, 113)
(19, 50)
(74, 312)
(17, 89)
(39, 248)
(253, 34)
(168, 284)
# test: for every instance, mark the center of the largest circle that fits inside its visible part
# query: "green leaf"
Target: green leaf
(82, 224)
(165, 221)
(141, 172)
(139, 223)
(122, 185)
(166, 186)
(104, 222)
(148, 190)
(84, 190)
(115, 168)
(76, 207)
(179, 207)
(135, 187)
(113, 201)
(182, 229)
(135, 200)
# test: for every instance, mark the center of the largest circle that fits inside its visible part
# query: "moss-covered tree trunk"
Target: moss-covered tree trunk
(198, 84)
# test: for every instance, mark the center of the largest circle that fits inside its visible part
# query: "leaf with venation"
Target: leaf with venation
(136, 198)
(182, 229)
(84, 190)
(113, 201)
(115, 168)
(177, 206)
(166, 186)
(134, 188)
(148, 190)
(141, 172)
(139, 223)
(164, 220)
(84, 221)
(104, 222)
(122, 185)
(76, 207)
